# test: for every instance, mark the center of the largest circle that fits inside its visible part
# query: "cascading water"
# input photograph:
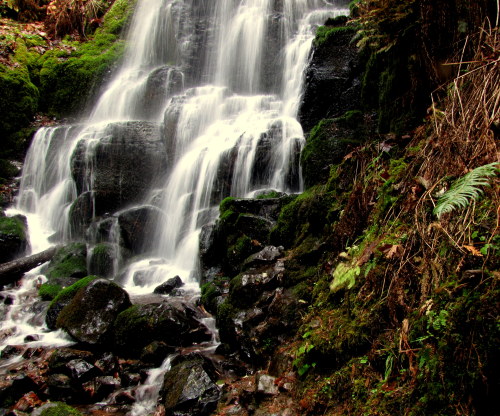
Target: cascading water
(211, 87)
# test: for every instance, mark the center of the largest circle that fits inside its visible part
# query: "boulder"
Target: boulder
(267, 255)
(13, 237)
(190, 388)
(62, 299)
(106, 164)
(169, 286)
(161, 322)
(68, 262)
(90, 314)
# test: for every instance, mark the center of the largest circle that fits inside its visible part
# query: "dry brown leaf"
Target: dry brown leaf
(473, 250)
(394, 251)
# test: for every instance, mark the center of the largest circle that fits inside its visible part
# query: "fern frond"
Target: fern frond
(465, 189)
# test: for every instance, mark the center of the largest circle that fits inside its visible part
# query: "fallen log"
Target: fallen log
(12, 271)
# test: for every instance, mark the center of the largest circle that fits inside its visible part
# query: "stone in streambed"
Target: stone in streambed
(162, 322)
(90, 315)
(190, 388)
(169, 286)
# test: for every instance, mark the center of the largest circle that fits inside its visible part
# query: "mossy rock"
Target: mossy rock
(62, 299)
(101, 260)
(69, 261)
(59, 409)
(18, 104)
(90, 315)
(154, 322)
(13, 237)
(329, 142)
(48, 291)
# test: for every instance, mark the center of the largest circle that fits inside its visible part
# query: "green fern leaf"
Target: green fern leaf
(465, 189)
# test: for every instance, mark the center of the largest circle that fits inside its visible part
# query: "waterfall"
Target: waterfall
(212, 85)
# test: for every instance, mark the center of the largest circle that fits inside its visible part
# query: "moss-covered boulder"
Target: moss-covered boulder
(161, 322)
(90, 314)
(63, 298)
(69, 261)
(57, 409)
(13, 237)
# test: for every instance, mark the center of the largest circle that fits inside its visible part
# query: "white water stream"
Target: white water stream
(232, 74)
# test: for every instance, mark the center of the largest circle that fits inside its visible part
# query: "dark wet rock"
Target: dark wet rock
(265, 160)
(330, 141)
(81, 371)
(137, 227)
(169, 286)
(59, 386)
(267, 255)
(162, 83)
(31, 338)
(190, 388)
(130, 379)
(176, 326)
(11, 390)
(101, 387)
(11, 351)
(69, 262)
(156, 352)
(9, 300)
(332, 84)
(90, 315)
(124, 397)
(27, 403)
(13, 237)
(31, 353)
(101, 260)
(248, 286)
(60, 357)
(137, 144)
(107, 363)
(243, 229)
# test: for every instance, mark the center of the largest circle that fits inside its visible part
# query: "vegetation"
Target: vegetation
(51, 70)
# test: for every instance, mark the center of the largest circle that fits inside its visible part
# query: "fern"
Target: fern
(465, 189)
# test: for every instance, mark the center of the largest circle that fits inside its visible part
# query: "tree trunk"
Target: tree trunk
(13, 270)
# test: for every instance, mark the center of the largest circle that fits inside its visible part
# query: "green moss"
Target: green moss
(48, 291)
(69, 261)
(226, 204)
(328, 142)
(18, 104)
(270, 194)
(67, 294)
(60, 409)
(13, 227)
(324, 33)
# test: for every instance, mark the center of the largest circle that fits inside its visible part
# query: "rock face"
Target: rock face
(162, 322)
(120, 166)
(89, 316)
(189, 387)
(137, 226)
(13, 238)
(332, 84)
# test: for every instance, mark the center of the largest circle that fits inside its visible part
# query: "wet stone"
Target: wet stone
(81, 371)
(169, 286)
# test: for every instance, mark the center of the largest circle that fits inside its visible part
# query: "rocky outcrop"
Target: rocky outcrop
(243, 229)
(332, 79)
